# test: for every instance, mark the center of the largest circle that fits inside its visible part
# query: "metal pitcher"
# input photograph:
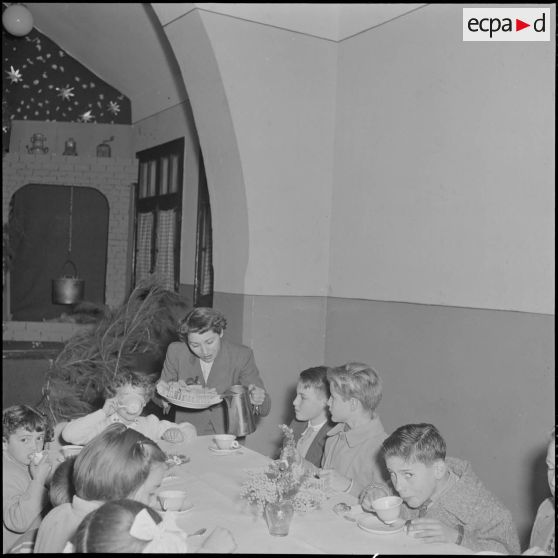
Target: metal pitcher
(239, 411)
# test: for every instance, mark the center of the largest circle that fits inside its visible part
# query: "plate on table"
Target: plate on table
(369, 522)
(217, 451)
(170, 478)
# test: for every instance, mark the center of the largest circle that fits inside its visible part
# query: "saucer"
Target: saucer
(189, 507)
(218, 451)
(372, 524)
(170, 478)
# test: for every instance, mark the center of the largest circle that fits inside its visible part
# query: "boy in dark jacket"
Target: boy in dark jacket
(312, 421)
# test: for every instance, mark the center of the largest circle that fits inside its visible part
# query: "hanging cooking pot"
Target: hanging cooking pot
(67, 289)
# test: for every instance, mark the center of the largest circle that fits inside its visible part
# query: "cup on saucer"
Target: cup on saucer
(172, 500)
(388, 508)
(226, 441)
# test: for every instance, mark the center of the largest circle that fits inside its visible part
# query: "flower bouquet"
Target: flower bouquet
(285, 479)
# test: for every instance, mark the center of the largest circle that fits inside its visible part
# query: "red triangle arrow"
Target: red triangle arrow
(519, 25)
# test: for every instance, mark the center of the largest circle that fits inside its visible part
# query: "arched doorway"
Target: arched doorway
(50, 224)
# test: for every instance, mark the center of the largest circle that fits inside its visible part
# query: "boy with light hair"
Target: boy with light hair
(351, 457)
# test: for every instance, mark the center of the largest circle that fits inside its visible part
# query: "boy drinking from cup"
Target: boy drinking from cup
(442, 497)
(127, 396)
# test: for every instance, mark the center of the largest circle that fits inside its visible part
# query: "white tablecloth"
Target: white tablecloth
(213, 483)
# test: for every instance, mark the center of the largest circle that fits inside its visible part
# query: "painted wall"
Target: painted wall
(485, 378)
(263, 102)
(287, 335)
(444, 170)
(280, 88)
(384, 131)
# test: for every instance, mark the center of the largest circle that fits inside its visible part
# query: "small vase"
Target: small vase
(278, 516)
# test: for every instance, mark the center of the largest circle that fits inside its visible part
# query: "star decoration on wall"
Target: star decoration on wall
(42, 82)
(14, 75)
(86, 116)
(113, 107)
(65, 92)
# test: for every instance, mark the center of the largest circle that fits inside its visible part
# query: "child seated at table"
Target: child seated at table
(442, 497)
(61, 490)
(127, 395)
(25, 497)
(118, 463)
(128, 526)
(312, 421)
(351, 456)
(542, 542)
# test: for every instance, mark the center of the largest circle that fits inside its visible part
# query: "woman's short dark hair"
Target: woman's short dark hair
(200, 320)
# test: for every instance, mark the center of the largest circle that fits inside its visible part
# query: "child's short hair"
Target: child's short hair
(134, 378)
(200, 320)
(22, 416)
(415, 442)
(115, 463)
(107, 529)
(61, 490)
(316, 377)
(358, 380)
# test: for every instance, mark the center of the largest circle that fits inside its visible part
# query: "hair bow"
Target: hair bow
(164, 537)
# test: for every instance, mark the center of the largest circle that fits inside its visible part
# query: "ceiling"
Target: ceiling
(124, 45)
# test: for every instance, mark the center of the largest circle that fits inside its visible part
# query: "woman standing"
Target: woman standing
(203, 355)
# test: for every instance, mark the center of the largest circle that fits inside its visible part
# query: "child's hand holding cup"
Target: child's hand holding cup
(370, 493)
(40, 466)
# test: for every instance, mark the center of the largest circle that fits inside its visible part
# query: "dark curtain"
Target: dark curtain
(39, 221)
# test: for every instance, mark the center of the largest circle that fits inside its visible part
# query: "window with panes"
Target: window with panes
(158, 214)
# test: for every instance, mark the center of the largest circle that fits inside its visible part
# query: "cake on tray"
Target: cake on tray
(193, 394)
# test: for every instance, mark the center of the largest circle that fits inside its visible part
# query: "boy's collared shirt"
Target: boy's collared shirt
(354, 453)
(307, 437)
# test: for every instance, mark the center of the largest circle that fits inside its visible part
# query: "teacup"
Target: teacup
(131, 403)
(387, 508)
(226, 441)
(172, 500)
(69, 451)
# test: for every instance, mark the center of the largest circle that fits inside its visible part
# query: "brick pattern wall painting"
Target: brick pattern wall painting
(114, 178)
